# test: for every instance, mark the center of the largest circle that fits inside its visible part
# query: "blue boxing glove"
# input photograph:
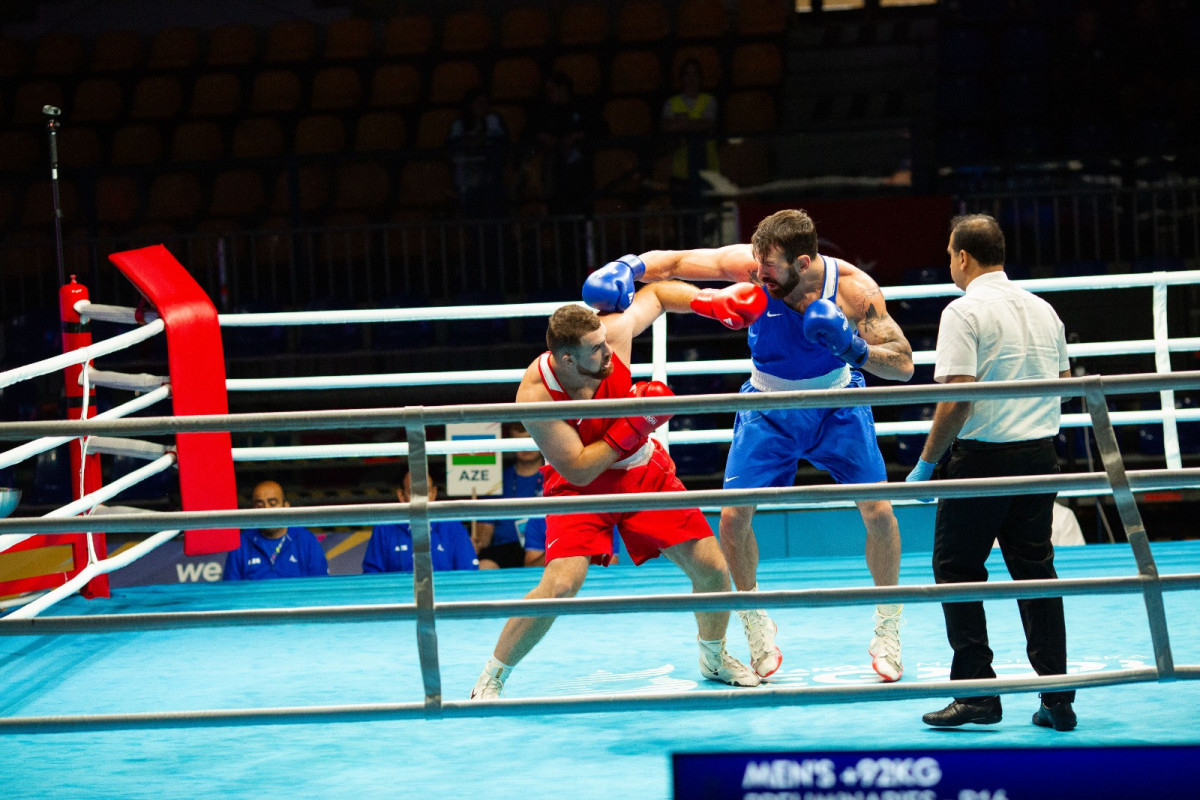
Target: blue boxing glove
(610, 288)
(923, 471)
(826, 325)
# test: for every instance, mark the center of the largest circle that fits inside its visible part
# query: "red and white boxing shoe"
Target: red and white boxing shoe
(885, 644)
(765, 657)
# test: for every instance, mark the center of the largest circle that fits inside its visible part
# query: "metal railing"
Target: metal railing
(425, 611)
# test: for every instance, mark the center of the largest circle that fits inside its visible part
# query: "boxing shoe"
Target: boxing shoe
(491, 681)
(885, 644)
(760, 633)
(717, 665)
(1059, 716)
(980, 711)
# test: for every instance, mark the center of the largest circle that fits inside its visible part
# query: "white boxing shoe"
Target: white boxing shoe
(760, 633)
(722, 667)
(885, 644)
(491, 681)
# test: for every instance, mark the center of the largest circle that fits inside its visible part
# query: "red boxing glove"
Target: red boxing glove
(736, 306)
(627, 434)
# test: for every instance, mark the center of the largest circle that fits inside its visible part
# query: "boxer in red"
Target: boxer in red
(587, 358)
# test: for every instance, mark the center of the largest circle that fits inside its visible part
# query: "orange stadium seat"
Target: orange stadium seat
(583, 24)
(336, 88)
(467, 31)
(641, 21)
(380, 130)
(395, 85)
(78, 147)
(97, 100)
(524, 27)
(174, 197)
(761, 17)
(137, 144)
(750, 111)
(232, 45)
(322, 133)
(361, 186)
(157, 97)
(217, 94)
(349, 38)
(197, 140)
(584, 71)
(274, 91)
(173, 49)
(425, 184)
(117, 51)
(58, 54)
(433, 126)
(19, 149)
(702, 19)
(756, 64)
(257, 137)
(635, 72)
(408, 35)
(290, 41)
(452, 79)
(629, 116)
(118, 199)
(516, 79)
(39, 203)
(237, 193)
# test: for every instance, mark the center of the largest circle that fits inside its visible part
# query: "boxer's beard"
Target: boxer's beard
(599, 374)
(785, 286)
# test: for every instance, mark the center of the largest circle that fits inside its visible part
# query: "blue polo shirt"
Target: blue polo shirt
(296, 554)
(391, 548)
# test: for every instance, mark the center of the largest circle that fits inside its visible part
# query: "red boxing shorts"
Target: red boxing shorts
(645, 533)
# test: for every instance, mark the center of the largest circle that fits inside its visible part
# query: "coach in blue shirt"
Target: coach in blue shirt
(391, 546)
(275, 552)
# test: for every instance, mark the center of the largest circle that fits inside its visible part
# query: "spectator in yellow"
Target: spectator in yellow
(691, 113)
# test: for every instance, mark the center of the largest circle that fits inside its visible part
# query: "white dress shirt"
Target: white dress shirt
(998, 331)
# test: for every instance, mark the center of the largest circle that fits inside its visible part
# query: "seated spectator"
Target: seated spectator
(275, 552)
(692, 114)
(478, 144)
(507, 542)
(391, 545)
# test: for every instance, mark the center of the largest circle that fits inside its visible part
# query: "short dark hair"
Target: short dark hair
(792, 230)
(981, 236)
(568, 325)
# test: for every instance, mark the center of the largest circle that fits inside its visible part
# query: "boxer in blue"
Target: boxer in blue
(825, 323)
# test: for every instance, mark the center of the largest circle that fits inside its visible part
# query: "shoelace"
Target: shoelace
(757, 631)
(887, 631)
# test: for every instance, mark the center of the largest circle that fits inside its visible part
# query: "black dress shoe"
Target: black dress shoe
(1059, 716)
(984, 711)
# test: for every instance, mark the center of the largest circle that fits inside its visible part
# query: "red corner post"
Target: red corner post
(196, 362)
(77, 334)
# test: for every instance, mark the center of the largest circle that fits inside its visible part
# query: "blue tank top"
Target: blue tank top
(778, 345)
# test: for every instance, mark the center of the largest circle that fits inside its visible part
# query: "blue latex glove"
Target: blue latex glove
(923, 471)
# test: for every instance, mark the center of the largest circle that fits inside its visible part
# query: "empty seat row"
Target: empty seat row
(515, 79)
(294, 41)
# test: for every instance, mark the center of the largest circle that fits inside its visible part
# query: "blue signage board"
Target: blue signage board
(1095, 773)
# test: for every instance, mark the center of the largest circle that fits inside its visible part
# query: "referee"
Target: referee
(996, 332)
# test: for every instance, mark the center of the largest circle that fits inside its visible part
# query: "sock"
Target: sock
(888, 609)
(712, 648)
(501, 669)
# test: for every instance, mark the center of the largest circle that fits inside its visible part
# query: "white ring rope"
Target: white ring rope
(82, 354)
(90, 501)
(18, 454)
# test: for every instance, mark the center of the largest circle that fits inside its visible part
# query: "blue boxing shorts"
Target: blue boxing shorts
(768, 444)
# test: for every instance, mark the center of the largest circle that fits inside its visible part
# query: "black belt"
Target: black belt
(978, 444)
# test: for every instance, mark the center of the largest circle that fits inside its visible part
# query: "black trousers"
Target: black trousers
(962, 541)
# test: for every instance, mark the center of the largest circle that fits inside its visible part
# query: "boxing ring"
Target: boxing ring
(234, 688)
